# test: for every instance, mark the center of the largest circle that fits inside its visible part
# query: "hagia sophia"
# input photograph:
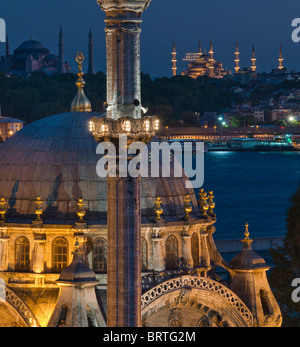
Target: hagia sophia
(32, 56)
(77, 250)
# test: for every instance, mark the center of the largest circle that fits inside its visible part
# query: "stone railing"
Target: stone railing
(7, 295)
(198, 283)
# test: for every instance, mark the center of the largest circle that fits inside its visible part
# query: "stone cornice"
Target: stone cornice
(121, 6)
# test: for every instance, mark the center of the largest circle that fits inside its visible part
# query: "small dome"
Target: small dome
(77, 271)
(247, 259)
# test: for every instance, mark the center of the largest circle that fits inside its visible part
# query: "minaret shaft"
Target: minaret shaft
(123, 68)
(124, 259)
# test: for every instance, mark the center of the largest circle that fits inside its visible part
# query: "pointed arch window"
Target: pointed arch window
(171, 252)
(22, 256)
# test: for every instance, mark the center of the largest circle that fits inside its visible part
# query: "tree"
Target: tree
(287, 266)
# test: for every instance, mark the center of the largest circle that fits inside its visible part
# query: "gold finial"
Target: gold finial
(81, 103)
(202, 202)
(211, 202)
(3, 208)
(187, 207)
(80, 211)
(247, 234)
(158, 209)
(38, 210)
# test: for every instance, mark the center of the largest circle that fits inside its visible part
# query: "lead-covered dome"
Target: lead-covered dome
(31, 47)
(56, 158)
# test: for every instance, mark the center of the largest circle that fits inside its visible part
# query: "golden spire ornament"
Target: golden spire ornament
(211, 202)
(3, 208)
(247, 234)
(202, 202)
(80, 210)
(80, 103)
(158, 209)
(187, 207)
(38, 210)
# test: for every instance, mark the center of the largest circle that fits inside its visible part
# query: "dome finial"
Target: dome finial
(247, 234)
(81, 103)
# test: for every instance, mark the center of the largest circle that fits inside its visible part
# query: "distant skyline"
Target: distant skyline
(267, 23)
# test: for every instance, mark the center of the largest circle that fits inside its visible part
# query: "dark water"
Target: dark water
(253, 187)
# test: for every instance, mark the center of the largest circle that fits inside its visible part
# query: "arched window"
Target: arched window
(195, 249)
(144, 254)
(59, 254)
(265, 302)
(22, 254)
(171, 252)
(100, 255)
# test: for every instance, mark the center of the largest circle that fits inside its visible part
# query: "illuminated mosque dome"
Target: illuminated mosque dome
(55, 157)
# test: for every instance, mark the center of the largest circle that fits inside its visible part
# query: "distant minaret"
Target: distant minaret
(280, 67)
(91, 69)
(253, 59)
(211, 61)
(237, 57)
(7, 51)
(174, 61)
(200, 49)
(61, 68)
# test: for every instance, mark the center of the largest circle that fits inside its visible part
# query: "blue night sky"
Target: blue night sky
(265, 22)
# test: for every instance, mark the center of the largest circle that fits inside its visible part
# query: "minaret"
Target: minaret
(61, 68)
(174, 61)
(280, 60)
(7, 51)
(123, 126)
(253, 59)
(91, 69)
(200, 50)
(211, 61)
(237, 57)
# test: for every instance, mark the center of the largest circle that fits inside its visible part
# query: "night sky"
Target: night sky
(265, 22)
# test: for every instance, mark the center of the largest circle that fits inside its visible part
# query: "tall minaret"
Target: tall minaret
(91, 69)
(211, 61)
(174, 61)
(123, 126)
(200, 49)
(253, 59)
(280, 60)
(237, 57)
(61, 68)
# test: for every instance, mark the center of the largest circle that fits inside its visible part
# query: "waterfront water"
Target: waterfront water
(253, 187)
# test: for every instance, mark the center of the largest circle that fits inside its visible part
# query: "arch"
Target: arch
(195, 293)
(60, 252)
(100, 255)
(17, 307)
(22, 254)
(171, 252)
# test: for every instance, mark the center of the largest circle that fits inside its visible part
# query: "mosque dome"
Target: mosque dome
(31, 47)
(55, 158)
